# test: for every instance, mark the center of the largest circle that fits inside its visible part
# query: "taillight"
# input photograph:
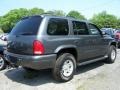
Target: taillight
(117, 36)
(38, 47)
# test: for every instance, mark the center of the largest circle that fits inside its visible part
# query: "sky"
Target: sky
(86, 7)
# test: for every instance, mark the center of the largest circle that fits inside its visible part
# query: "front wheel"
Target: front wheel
(112, 54)
(65, 67)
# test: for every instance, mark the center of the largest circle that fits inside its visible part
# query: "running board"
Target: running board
(92, 61)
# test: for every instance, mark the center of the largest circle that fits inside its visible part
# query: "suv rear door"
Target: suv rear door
(22, 36)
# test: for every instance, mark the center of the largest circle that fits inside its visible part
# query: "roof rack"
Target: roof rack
(49, 14)
(30, 17)
(71, 17)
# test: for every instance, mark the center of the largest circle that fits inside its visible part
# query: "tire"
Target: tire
(3, 63)
(112, 53)
(118, 45)
(65, 67)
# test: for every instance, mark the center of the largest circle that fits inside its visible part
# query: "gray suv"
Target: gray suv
(57, 43)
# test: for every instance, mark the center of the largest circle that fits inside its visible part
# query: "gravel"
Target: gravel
(96, 76)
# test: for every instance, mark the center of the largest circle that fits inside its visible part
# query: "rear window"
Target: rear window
(27, 26)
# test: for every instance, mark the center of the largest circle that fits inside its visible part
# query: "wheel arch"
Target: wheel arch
(114, 43)
(67, 49)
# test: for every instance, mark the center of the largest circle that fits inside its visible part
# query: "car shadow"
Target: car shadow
(36, 78)
(88, 67)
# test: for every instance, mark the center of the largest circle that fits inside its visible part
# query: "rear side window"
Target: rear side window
(57, 26)
(27, 26)
(80, 28)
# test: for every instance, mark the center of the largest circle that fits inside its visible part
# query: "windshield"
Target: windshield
(27, 26)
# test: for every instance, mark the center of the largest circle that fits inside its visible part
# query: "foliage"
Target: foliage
(76, 15)
(105, 20)
(118, 24)
(56, 12)
(102, 19)
(1, 31)
(35, 11)
(10, 19)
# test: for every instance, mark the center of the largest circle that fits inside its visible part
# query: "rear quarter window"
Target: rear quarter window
(57, 26)
(27, 26)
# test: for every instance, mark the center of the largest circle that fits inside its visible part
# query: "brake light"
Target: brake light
(38, 47)
(117, 36)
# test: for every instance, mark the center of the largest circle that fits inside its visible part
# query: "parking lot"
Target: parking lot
(96, 76)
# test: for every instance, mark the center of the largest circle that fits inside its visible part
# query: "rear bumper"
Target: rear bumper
(33, 62)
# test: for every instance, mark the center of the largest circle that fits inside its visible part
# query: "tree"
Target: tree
(56, 12)
(0, 20)
(9, 20)
(104, 19)
(76, 15)
(118, 24)
(12, 17)
(35, 11)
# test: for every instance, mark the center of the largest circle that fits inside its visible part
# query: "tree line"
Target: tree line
(102, 19)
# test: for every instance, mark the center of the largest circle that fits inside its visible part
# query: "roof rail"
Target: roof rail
(71, 17)
(26, 17)
(48, 14)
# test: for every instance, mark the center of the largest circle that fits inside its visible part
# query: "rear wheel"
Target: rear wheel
(2, 63)
(112, 54)
(65, 67)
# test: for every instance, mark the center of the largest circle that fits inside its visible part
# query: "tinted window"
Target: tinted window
(27, 26)
(58, 27)
(93, 30)
(80, 28)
